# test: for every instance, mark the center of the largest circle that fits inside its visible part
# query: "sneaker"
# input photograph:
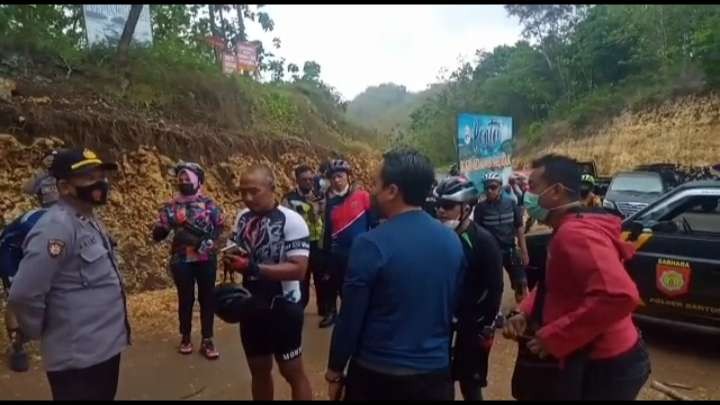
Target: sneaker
(208, 350)
(186, 346)
(328, 321)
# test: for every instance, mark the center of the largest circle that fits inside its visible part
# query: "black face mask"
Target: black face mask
(187, 189)
(95, 194)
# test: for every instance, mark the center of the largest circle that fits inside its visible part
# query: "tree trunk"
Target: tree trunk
(241, 22)
(128, 31)
(214, 31)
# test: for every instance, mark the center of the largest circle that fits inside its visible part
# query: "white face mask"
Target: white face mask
(452, 223)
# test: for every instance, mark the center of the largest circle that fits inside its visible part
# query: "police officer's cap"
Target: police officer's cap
(72, 162)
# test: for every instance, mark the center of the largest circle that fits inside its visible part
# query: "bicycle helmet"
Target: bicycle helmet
(586, 178)
(192, 166)
(457, 189)
(232, 302)
(338, 165)
(492, 176)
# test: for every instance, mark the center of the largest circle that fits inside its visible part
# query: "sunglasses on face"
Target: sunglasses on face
(492, 187)
(447, 205)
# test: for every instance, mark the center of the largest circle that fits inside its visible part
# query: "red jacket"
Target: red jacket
(590, 296)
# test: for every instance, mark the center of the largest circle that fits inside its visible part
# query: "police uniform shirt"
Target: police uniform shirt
(68, 291)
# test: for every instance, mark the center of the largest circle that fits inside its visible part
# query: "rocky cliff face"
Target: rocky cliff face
(685, 131)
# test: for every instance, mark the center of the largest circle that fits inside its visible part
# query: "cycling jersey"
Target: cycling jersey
(203, 219)
(309, 207)
(272, 238)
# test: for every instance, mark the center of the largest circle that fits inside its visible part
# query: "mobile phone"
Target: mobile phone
(233, 246)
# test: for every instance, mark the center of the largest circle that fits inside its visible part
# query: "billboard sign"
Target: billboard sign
(484, 144)
(247, 55)
(104, 24)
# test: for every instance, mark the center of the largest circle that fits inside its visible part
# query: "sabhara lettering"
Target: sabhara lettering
(674, 263)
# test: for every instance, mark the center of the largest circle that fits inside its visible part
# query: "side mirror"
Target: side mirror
(665, 227)
(635, 229)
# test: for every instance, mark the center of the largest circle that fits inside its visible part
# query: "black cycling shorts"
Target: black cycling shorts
(277, 331)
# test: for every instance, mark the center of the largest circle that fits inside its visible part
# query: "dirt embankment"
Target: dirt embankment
(35, 120)
(685, 131)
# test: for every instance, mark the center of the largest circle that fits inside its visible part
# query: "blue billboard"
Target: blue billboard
(484, 144)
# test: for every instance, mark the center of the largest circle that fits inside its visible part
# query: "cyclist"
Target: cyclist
(44, 188)
(500, 215)
(277, 247)
(347, 215)
(197, 222)
(587, 194)
(482, 286)
(307, 201)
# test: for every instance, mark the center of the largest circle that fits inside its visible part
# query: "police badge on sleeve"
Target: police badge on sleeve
(55, 247)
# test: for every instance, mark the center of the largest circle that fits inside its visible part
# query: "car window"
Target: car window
(695, 214)
(642, 184)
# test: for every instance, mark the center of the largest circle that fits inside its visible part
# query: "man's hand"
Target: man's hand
(535, 346)
(335, 389)
(515, 326)
(236, 263)
(524, 257)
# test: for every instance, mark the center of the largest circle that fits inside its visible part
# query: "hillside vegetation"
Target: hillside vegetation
(577, 68)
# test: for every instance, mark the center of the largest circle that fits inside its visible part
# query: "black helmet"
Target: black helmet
(457, 189)
(338, 165)
(192, 166)
(232, 302)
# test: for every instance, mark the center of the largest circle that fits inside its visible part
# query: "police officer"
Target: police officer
(42, 186)
(68, 291)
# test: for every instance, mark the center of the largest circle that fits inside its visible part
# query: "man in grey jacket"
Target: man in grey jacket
(68, 291)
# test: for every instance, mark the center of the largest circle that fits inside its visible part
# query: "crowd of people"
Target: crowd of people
(419, 280)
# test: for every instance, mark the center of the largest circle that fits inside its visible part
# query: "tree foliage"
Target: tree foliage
(576, 63)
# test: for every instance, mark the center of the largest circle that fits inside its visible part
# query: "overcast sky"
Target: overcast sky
(365, 45)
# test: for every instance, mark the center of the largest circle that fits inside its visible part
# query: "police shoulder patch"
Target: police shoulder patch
(55, 247)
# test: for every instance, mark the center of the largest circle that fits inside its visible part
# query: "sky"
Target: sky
(366, 45)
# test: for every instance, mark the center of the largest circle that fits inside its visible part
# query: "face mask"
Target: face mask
(187, 189)
(452, 224)
(95, 194)
(532, 204)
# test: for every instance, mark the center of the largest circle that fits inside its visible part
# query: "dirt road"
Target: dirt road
(151, 368)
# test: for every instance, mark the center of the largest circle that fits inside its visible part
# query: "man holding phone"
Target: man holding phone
(277, 248)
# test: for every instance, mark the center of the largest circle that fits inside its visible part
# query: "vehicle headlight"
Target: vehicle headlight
(607, 204)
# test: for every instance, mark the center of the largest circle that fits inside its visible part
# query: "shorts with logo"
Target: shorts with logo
(277, 331)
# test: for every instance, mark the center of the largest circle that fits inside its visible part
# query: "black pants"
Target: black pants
(317, 269)
(363, 384)
(337, 265)
(513, 266)
(96, 383)
(186, 275)
(618, 378)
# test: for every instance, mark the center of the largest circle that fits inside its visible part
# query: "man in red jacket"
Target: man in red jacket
(589, 295)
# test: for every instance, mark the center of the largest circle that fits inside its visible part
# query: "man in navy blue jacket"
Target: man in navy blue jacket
(399, 296)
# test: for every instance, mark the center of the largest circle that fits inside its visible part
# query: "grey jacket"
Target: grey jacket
(68, 291)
